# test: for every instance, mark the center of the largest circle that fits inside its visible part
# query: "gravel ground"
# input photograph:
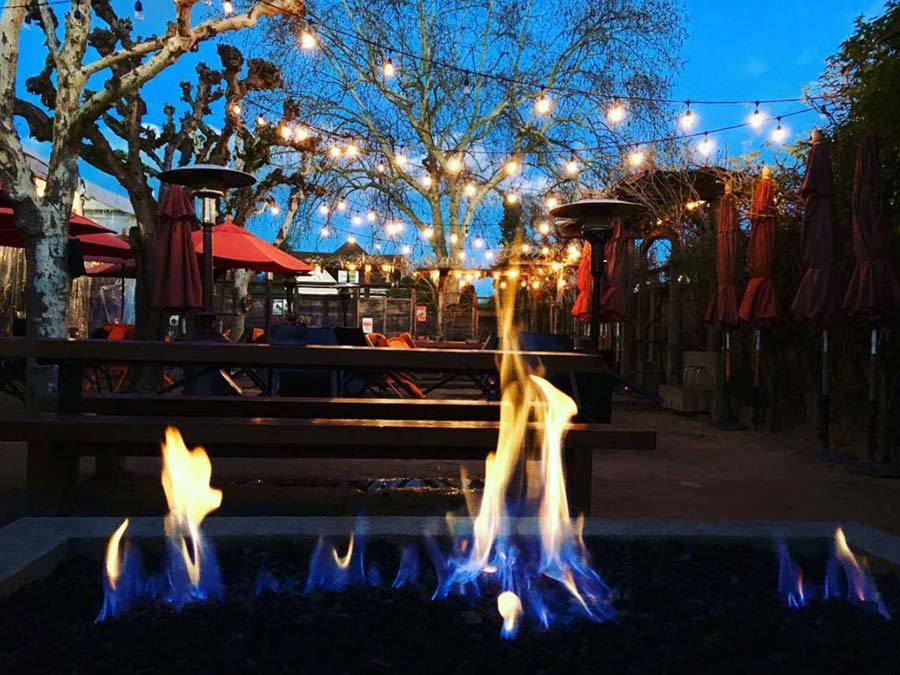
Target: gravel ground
(683, 607)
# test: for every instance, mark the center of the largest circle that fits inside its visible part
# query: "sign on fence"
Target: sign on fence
(368, 324)
(421, 313)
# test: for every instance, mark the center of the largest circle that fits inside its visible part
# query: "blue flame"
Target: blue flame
(130, 587)
(409, 569)
(790, 578)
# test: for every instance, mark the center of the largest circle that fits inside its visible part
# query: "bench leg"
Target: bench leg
(51, 469)
(579, 469)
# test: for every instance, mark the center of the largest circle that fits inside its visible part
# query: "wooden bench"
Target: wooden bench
(113, 426)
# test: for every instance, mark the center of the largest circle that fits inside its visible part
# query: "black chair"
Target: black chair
(303, 381)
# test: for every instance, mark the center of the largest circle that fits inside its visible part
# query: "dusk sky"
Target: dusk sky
(734, 50)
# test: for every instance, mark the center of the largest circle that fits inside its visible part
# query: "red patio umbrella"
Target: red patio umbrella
(616, 298)
(817, 296)
(581, 310)
(104, 247)
(236, 248)
(759, 307)
(874, 293)
(723, 308)
(78, 225)
(176, 282)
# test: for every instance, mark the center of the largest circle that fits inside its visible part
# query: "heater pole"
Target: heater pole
(825, 403)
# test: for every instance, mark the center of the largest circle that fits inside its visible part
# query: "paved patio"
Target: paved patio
(698, 472)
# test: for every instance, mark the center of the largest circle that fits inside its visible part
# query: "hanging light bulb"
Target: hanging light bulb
(544, 227)
(636, 158)
(470, 189)
(552, 202)
(227, 7)
(453, 165)
(688, 119)
(380, 167)
(488, 255)
(301, 134)
(325, 231)
(352, 150)
(615, 114)
(371, 216)
(572, 166)
(139, 10)
(427, 181)
(274, 209)
(526, 248)
(351, 239)
(236, 109)
(323, 209)
(545, 250)
(400, 159)
(543, 104)
(261, 121)
(388, 69)
(779, 133)
(308, 40)
(285, 131)
(478, 242)
(454, 237)
(428, 232)
(511, 167)
(512, 198)
(462, 255)
(467, 86)
(341, 205)
(407, 249)
(335, 151)
(756, 118)
(355, 219)
(705, 147)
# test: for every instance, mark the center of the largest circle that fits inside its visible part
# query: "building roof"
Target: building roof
(96, 198)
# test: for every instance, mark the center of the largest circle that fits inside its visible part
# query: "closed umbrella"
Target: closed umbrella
(176, 281)
(759, 306)
(874, 292)
(723, 308)
(616, 298)
(236, 248)
(817, 297)
(581, 310)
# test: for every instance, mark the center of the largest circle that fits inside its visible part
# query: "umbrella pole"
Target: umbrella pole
(873, 399)
(757, 338)
(825, 402)
(727, 356)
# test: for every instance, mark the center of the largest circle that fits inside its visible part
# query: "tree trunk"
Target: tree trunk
(240, 290)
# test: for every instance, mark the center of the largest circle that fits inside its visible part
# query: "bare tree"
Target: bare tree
(439, 141)
(90, 46)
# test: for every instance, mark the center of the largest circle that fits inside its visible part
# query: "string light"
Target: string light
(756, 118)
(308, 41)
(552, 202)
(301, 134)
(388, 69)
(688, 119)
(407, 249)
(400, 159)
(705, 147)
(454, 237)
(544, 104)
(236, 109)
(380, 167)
(139, 10)
(324, 232)
(454, 165)
(323, 210)
(261, 121)
(351, 239)
(371, 216)
(545, 250)
(274, 209)
(488, 255)
(227, 7)
(335, 151)
(636, 158)
(779, 133)
(356, 220)
(526, 248)
(512, 198)
(341, 205)
(470, 189)
(511, 167)
(478, 242)
(616, 112)
(285, 132)
(427, 181)
(461, 255)
(572, 167)
(428, 232)
(544, 227)
(352, 150)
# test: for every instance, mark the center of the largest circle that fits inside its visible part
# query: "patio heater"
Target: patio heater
(209, 182)
(591, 220)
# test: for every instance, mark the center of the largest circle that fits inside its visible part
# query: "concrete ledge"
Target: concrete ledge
(30, 548)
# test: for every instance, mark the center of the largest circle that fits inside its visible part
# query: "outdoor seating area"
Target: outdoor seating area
(422, 336)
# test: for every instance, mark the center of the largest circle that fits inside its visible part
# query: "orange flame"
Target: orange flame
(185, 480)
(113, 557)
(856, 569)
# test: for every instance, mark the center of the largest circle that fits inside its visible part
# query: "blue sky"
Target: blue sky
(735, 50)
